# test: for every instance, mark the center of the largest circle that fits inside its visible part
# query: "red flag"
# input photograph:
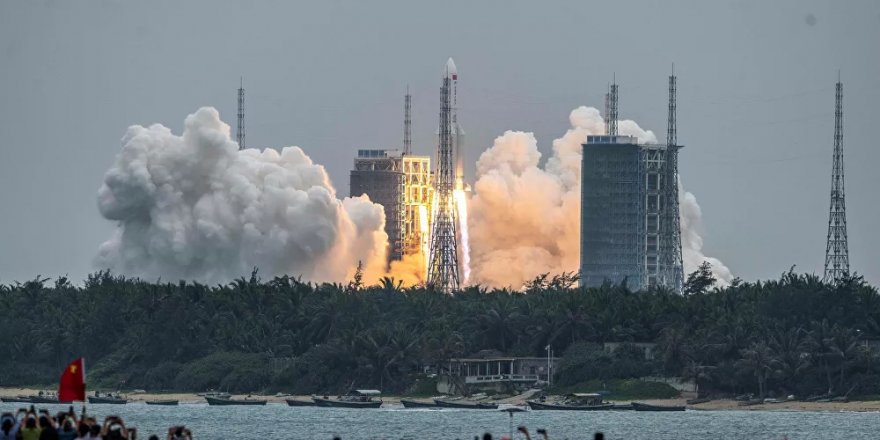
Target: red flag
(72, 386)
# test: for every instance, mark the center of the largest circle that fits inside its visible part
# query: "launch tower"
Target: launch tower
(240, 133)
(443, 266)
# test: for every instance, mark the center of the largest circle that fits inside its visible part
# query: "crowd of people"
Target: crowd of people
(30, 424)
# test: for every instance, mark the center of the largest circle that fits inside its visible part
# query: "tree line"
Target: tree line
(795, 335)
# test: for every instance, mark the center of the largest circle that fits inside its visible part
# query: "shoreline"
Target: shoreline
(712, 405)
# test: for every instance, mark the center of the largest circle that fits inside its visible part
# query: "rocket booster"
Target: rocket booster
(457, 131)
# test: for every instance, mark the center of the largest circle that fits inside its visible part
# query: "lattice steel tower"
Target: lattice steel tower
(407, 123)
(443, 268)
(611, 109)
(671, 253)
(240, 133)
(836, 249)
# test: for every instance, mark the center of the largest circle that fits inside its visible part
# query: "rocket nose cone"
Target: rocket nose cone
(450, 68)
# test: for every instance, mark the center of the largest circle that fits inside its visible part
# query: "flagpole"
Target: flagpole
(85, 392)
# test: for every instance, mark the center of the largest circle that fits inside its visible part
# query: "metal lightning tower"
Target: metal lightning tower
(240, 133)
(407, 123)
(836, 249)
(612, 109)
(443, 268)
(671, 254)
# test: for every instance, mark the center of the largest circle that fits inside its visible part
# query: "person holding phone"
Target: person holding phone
(8, 426)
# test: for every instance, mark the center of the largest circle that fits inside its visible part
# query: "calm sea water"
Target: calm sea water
(278, 421)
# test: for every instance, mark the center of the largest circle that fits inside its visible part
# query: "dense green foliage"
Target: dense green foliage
(795, 335)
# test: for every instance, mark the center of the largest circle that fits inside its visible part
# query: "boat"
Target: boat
(162, 402)
(698, 401)
(646, 407)
(218, 401)
(574, 402)
(108, 400)
(354, 399)
(543, 406)
(49, 400)
(417, 404)
(464, 405)
(16, 399)
(295, 402)
(219, 394)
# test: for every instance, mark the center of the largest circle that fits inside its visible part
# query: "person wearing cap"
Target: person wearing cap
(8, 427)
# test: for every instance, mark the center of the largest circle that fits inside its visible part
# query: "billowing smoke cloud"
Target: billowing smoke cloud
(524, 219)
(195, 207)
(692, 243)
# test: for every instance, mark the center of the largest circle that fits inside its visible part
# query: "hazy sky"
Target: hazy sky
(756, 95)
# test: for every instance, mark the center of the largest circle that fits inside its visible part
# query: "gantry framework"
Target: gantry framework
(630, 229)
(380, 175)
(443, 266)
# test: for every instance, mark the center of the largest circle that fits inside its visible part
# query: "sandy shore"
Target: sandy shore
(713, 405)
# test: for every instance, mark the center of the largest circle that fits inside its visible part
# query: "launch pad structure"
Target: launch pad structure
(444, 271)
(401, 183)
(630, 227)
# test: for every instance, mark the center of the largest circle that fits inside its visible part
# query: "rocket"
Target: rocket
(457, 130)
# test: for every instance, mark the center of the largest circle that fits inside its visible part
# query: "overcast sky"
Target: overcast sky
(756, 95)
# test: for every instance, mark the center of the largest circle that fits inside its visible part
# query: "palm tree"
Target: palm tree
(759, 360)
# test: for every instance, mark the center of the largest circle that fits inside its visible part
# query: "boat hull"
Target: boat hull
(216, 401)
(645, 407)
(539, 406)
(49, 400)
(294, 402)
(16, 400)
(107, 400)
(162, 402)
(450, 404)
(345, 404)
(416, 404)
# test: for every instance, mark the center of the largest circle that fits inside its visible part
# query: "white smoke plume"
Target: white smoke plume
(525, 219)
(692, 242)
(195, 207)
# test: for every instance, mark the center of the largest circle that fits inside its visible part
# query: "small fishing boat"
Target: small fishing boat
(646, 407)
(698, 401)
(464, 405)
(539, 406)
(217, 401)
(417, 404)
(574, 402)
(110, 400)
(219, 394)
(48, 400)
(354, 399)
(16, 399)
(162, 402)
(295, 402)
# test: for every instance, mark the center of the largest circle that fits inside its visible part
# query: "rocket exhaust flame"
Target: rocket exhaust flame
(461, 206)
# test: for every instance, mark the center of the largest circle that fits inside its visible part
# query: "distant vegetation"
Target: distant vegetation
(796, 335)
